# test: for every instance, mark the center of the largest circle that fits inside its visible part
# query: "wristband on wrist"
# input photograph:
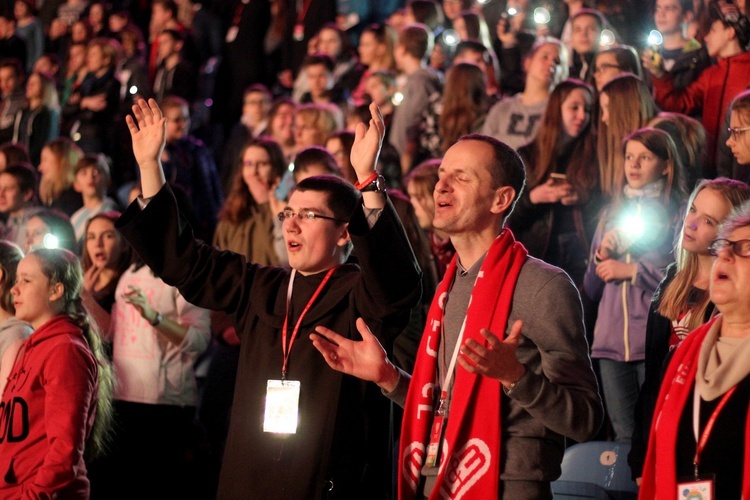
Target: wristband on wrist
(369, 180)
(157, 319)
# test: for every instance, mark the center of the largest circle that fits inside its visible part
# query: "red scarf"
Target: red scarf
(660, 470)
(470, 456)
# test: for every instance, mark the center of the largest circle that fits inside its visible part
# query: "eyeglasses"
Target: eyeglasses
(739, 248)
(604, 67)
(259, 164)
(309, 215)
(737, 132)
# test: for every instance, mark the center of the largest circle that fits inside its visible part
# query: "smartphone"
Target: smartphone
(285, 185)
(558, 178)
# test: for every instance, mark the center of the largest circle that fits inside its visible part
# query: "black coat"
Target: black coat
(342, 436)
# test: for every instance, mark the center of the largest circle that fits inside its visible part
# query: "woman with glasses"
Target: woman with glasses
(615, 61)
(700, 435)
(739, 126)
(681, 303)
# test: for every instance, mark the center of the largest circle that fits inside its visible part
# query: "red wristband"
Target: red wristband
(373, 176)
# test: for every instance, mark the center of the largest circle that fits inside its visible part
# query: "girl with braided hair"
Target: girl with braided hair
(57, 406)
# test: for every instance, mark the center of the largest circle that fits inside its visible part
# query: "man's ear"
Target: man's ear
(28, 195)
(344, 236)
(504, 197)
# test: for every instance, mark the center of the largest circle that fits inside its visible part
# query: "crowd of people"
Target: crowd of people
(339, 249)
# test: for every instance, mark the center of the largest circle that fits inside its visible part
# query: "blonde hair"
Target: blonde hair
(676, 297)
(67, 154)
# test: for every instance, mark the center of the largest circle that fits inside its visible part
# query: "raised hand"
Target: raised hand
(90, 276)
(498, 360)
(612, 269)
(367, 144)
(148, 131)
(365, 359)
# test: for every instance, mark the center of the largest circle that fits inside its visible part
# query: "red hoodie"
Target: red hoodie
(712, 93)
(47, 413)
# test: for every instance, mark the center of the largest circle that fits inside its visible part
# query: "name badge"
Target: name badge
(696, 489)
(299, 32)
(436, 436)
(282, 406)
(232, 34)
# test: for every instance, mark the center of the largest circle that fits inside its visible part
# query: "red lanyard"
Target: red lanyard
(284, 331)
(709, 427)
(238, 13)
(301, 15)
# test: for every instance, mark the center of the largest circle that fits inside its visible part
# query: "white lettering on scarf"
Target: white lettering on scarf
(465, 468)
(412, 464)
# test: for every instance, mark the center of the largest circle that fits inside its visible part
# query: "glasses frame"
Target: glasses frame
(736, 132)
(605, 67)
(725, 243)
(306, 215)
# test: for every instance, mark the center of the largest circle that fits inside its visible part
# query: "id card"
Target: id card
(232, 34)
(700, 489)
(436, 437)
(282, 406)
(299, 32)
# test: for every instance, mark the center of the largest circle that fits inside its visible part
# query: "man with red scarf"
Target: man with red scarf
(503, 373)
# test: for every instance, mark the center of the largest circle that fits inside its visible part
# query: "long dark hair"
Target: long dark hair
(582, 171)
(239, 201)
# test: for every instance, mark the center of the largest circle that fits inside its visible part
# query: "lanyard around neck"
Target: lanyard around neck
(700, 444)
(284, 331)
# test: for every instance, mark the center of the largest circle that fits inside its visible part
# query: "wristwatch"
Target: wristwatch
(377, 185)
(157, 319)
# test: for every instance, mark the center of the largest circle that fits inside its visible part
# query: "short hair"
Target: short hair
(110, 47)
(174, 34)
(473, 46)
(14, 64)
(168, 5)
(384, 76)
(598, 16)
(97, 161)
(258, 88)
(319, 59)
(341, 196)
(316, 155)
(173, 101)
(427, 12)
(325, 117)
(417, 39)
(15, 152)
(731, 17)
(626, 57)
(25, 176)
(740, 217)
(10, 255)
(507, 168)
(278, 103)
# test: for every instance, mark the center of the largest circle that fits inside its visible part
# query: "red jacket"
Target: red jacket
(47, 413)
(712, 93)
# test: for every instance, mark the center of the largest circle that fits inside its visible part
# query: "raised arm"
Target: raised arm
(148, 131)
(365, 151)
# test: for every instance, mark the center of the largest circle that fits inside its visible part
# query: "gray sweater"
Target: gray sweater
(558, 396)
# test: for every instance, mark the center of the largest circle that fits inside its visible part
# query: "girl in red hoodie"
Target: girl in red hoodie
(57, 402)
